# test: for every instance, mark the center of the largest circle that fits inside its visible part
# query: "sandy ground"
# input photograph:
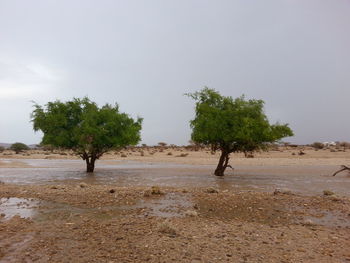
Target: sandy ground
(107, 223)
(284, 156)
(90, 224)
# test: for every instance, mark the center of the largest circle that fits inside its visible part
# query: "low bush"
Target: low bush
(19, 147)
(318, 145)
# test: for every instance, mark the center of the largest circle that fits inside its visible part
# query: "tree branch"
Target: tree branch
(343, 168)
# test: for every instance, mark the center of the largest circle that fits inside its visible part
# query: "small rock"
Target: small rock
(112, 191)
(3, 215)
(155, 190)
(83, 185)
(167, 229)
(211, 190)
(328, 192)
(54, 187)
(308, 222)
(191, 213)
(282, 191)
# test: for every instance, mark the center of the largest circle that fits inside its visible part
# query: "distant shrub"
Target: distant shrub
(318, 145)
(182, 155)
(248, 155)
(346, 145)
(19, 147)
(273, 147)
(48, 147)
(2, 149)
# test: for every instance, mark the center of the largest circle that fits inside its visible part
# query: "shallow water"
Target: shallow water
(165, 206)
(13, 206)
(308, 179)
(330, 219)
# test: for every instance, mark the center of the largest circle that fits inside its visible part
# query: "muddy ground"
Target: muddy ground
(107, 223)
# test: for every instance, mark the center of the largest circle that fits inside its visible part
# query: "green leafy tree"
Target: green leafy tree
(19, 147)
(80, 125)
(232, 125)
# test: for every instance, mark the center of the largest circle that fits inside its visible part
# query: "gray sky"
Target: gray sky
(294, 54)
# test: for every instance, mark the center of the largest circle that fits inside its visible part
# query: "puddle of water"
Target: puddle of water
(330, 219)
(169, 205)
(12, 206)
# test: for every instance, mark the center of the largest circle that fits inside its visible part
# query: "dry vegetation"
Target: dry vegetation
(276, 155)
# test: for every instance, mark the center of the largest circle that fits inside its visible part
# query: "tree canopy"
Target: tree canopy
(85, 128)
(232, 125)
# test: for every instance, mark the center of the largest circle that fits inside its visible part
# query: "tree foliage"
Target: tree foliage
(19, 147)
(232, 125)
(85, 128)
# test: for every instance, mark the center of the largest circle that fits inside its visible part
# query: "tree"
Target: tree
(80, 125)
(232, 125)
(19, 147)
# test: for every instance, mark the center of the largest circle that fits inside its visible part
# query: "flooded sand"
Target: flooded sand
(80, 222)
(164, 206)
(308, 179)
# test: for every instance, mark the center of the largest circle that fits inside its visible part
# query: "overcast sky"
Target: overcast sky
(294, 54)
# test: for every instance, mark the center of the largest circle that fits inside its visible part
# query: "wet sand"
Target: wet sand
(91, 223)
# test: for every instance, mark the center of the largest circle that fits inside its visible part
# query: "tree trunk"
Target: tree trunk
(223, 163)
(90, 164)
